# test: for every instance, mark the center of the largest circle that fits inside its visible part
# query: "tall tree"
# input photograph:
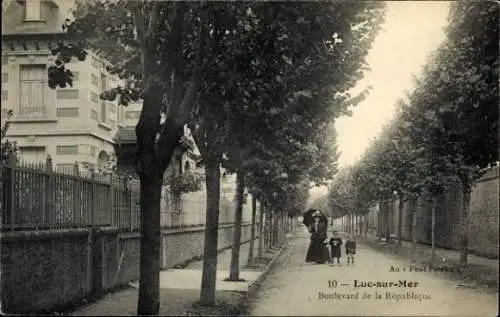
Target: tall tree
(290, 118)
(461, 98)
(141, 41)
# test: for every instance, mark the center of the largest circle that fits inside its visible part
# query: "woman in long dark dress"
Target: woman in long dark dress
(318, 251)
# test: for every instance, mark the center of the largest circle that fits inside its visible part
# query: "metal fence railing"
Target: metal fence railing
(40, 196)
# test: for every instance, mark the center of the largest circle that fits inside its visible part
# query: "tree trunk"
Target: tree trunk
(272, 221)
(366, 225)
(266, 229)
(276, 223)
(380, 223)
(276, 228)
(433, 229)
(464, 238)
(234, 271)
(261, 231)
(387, 221)
(281, 231)
(413, 251)
(353, 224)
(360, 225)
(149, 285)
(252, 230)
(209, 275)
(283, 226)
(401, 206)
(150, 170)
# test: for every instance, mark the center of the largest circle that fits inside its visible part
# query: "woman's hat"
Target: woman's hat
(316, 214)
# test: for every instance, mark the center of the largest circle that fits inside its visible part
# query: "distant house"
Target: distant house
(186, 156)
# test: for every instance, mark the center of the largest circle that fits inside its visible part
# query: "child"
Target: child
(335, 243)
(350, 249)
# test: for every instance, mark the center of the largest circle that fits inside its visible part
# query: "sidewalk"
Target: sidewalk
(180, 291)
(479, 271)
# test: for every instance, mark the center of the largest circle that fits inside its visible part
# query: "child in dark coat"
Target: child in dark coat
(335, 244)
(350, 249)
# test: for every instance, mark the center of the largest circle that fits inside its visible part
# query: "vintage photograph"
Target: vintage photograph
(249, 158)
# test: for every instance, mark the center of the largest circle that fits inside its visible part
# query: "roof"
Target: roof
(126, 136)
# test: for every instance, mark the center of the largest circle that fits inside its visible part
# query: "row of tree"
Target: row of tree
(258, 83)
(445, 132)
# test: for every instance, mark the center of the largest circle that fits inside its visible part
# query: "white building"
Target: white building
(71, 124)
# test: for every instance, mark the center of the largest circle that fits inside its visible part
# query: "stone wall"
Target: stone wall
(483, 224)
(43, 269)
(48, 270)
(484, 215)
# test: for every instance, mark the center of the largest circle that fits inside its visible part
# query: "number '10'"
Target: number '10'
(332, 283)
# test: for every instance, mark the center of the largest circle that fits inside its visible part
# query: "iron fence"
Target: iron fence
(40, 196)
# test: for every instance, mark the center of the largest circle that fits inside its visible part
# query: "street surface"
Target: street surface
(296, 288)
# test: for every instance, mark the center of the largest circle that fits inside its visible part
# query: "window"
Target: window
(112, 107)
(132, 114)
(32, 90)
(93, 115)
(33, 154)
(67, 112)
(5, 77)
(67, 149)
(121, 113)
(93, 150)
(94, 80)
(32, 10)
(94, 97)
(103, 112)
(95, 62)
(67, 94)
(5, 95)
(104, 82)
(5, 60)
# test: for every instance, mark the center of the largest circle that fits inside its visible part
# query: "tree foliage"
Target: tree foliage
(8, 148)
(446, 132)
(274, 76)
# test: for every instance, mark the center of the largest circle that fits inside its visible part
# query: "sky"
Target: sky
(411, 31)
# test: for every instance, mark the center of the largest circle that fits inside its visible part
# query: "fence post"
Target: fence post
(77, 209)
(49, 192)
(110, 199)
(130, 205)
(124, 204)
(93, 200)
(10, 187)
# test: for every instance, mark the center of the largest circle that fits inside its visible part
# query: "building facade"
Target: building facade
(70, 124)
